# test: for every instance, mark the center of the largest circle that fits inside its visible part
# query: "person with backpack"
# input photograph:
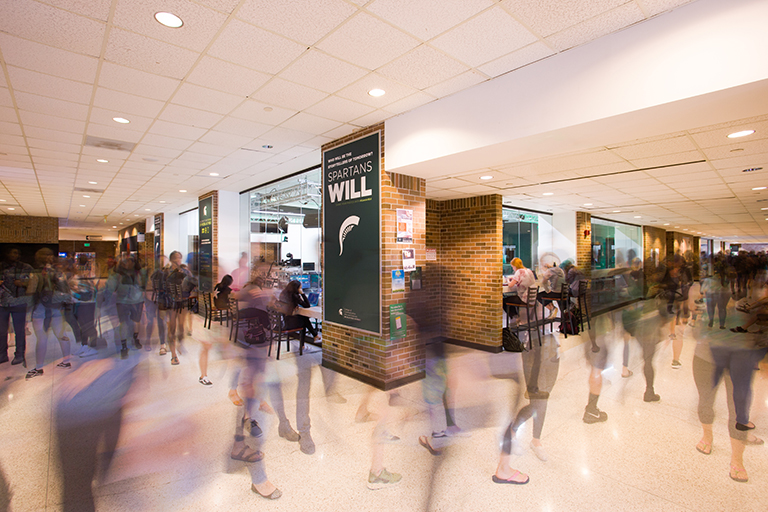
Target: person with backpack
(84, 292)
(127, 287)
(174, 278)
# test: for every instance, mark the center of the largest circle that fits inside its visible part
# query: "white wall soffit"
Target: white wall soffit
(703, 47)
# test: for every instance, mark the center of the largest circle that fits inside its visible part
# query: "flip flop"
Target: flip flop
(498, 480)
(736, 474)
(423, 441)
(247, 454)
(235, 398)
(628, 375)
(705, 448)
(756, 441)
(271, 496)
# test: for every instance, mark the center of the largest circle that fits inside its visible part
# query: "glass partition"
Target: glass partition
(526, 235)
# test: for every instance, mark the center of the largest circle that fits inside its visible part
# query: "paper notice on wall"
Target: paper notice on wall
(398, 281)
(431, 254)
(404, 226)
(409, 260)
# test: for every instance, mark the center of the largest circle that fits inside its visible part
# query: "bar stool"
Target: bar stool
(583, 303)
(530, 307)
(563, 303)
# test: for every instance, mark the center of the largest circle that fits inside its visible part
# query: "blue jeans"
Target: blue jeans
(18, 314)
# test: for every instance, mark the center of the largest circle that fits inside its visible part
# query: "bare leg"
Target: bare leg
(204, 349)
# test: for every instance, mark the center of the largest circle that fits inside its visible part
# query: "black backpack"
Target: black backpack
(570, 322)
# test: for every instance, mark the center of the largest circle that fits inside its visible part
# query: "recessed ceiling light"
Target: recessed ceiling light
(93, 183)
(182, 190)
(87, 197)
(114, 227)
(686, 229)
(377, 92)
(168, 19)
(759, 188)
(743, 133)
(147, 210)
(121, 223)
(676, 227)
(548, 193)
(616, 211)
(2, 200)
(213, 174)
(667, 224)
(587, 204)
(162, 202)
(82, 206)
(486, 177)
(135, 214)
(638, 217)
(101, 160)
(120, 120)
(267, 146)
(11, 208)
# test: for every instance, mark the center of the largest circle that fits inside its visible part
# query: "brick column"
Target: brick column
(584, 243)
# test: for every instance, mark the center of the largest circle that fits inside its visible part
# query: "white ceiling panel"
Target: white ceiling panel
(189, 116)
(364, 41)
(177, 130)
(456, 84)
(127, 104)
(51, 26)
(744, 149)
(650, 149)
(420, 17)
(51, 86)
(709, 138)
(308, 123)
(5, 96)
(98, 9)
(227, 77)
(423, 67)
(358, 91)
(112, 131)
(154, 139)
(8, 115)
(210, 149)
(283, 138)
(51, 122)
(409, 102)
(45, 105)
(545, 17)
(49, 134)
(487, 37)
(200, 23)
(12, 140)
(206, 99)
(150, 55)
(517, 59)
(255, 48)
(321, 71)
(10, 128)
(677, 158)
(227, 140)
(288, 95)
(306, 21)
(48, 60)
(262, 113)
(339, 109)
(105, 116)
(242, 127)
(53, 146)
(596, 27)
(136, 82)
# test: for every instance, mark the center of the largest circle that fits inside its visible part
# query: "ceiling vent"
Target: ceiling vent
(114, 145)
(89, 190)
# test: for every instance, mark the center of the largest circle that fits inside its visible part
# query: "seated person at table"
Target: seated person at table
(553, 279)
(253, 300)
(221, 292)
(294, 297)
(520, 281)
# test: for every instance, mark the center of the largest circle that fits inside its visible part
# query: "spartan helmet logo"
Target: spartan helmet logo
(346, 226)
(205, 211)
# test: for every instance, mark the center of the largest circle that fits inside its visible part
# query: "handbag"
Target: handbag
(255, 335)
(510, 342)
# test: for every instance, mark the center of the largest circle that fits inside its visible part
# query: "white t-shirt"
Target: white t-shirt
(522, 280)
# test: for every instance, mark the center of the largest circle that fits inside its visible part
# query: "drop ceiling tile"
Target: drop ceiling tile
(288, 95)
(51, 86)
(420, 17)
(490, 35)
(125, 104)
(321, 71)
(51, 26)
(668, 146)
(339, 109)
(114, 131)
(49, 134)
(5, 97)
(596, 27)
(45, 105)
(743, 162)
(667, 176)
(341, 131)
(242, 127)
(206, 99)
(306, 21)
(199, 158)
(53, 146)
(8, 115)
(423, 67)
(227, 140)
(252, 47)
(177, 130)
(61, 165)
(359, 91)
(135, 82)
(409, 103)
(456, 84)
(517, 59)
(743, 149)
(259, 112)
(51, 122)
(189, 116)
(12, 140)
(150, 55)
(283, 138)
(45, 59)
(200, 23)
(654, 7)
(308, 123)
(365, 41)
(225, 6)
(227, 77)
(210, 149)
(545, 17)
(676, 158)
(104, 116)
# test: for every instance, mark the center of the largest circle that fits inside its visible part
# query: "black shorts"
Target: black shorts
(132, 311)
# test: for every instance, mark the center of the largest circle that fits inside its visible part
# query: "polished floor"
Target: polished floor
(173, 449)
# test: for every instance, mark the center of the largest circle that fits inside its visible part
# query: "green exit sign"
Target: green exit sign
(86, 245)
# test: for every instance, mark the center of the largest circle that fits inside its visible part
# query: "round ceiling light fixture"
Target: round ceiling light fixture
(548, 194)
(587, 204)
(120, 120)
(168, 19)
(486, 177)
(376, 93)
(742, 133)
(182, 191)
(213, 174)
(102, 160)
(93, 182)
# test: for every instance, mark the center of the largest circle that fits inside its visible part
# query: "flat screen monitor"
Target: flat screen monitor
(308, 267)
(303, 279)
(295, 263)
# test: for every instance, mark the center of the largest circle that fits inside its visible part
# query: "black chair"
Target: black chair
(234, 314)
(277, 328)
(212, 312)
(583, 303)
(563, 303)
(530, 313)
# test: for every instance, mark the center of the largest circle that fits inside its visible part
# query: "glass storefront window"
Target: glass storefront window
(614, 244)
(285, 232)
(526, 235)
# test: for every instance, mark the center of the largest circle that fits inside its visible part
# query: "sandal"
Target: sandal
(510, 480)
(628, 375)
(738, 474)
(705, 448)
(235, 398)
(739, 329)
(754, 441)
(174, 361)
(163, 350)
(247, 454)
(271, 496)
(423, 441)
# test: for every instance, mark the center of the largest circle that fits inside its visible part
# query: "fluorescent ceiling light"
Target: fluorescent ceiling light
(213, 174)
(120, 120)
(11, 208)
(168, 19)
(147, 210)
(377, 92)
(743, 133)
(486, 177)
(114, 227)
(93, 183)
(101, 160)
(638, 217)
(759, 188)
(182, 190)
(587, 204)
(548, 193)
(667, 224)
(87, 197)
(616, 211)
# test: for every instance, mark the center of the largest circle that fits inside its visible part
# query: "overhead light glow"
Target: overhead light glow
(147, 210)
(87, 197)
(377, 92)
(743, 133)
(667, 224)
(213, 174)
(120, 120)
(101, 160)
(115, 227)
(548, 193)
(93, 183)
(162, 201)
(587, 204)
(486, 177)
(168, 19)
(182, 191)
(759, 188)
(616, 211)
(11, 208)
(82, 206)
(638, 217)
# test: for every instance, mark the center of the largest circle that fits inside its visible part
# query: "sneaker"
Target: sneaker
(676, 365)
(540, 452)
(254, 428)
(205, 381)
(137, 344)
(124, 352)
(77, 350)
(87, 352)
(34, 372)
(595, 416)
(382, 480)
(64, 364)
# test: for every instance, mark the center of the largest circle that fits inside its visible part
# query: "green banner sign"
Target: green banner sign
(397, 327)
(205, 212)
(352, 234)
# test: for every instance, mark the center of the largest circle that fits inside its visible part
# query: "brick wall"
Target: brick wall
(376, 359)
(678, 243)
(584, 243)
(29, 230)
(469, 240)
(653, 238)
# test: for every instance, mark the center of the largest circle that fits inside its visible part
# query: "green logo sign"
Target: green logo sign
(352, 234)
